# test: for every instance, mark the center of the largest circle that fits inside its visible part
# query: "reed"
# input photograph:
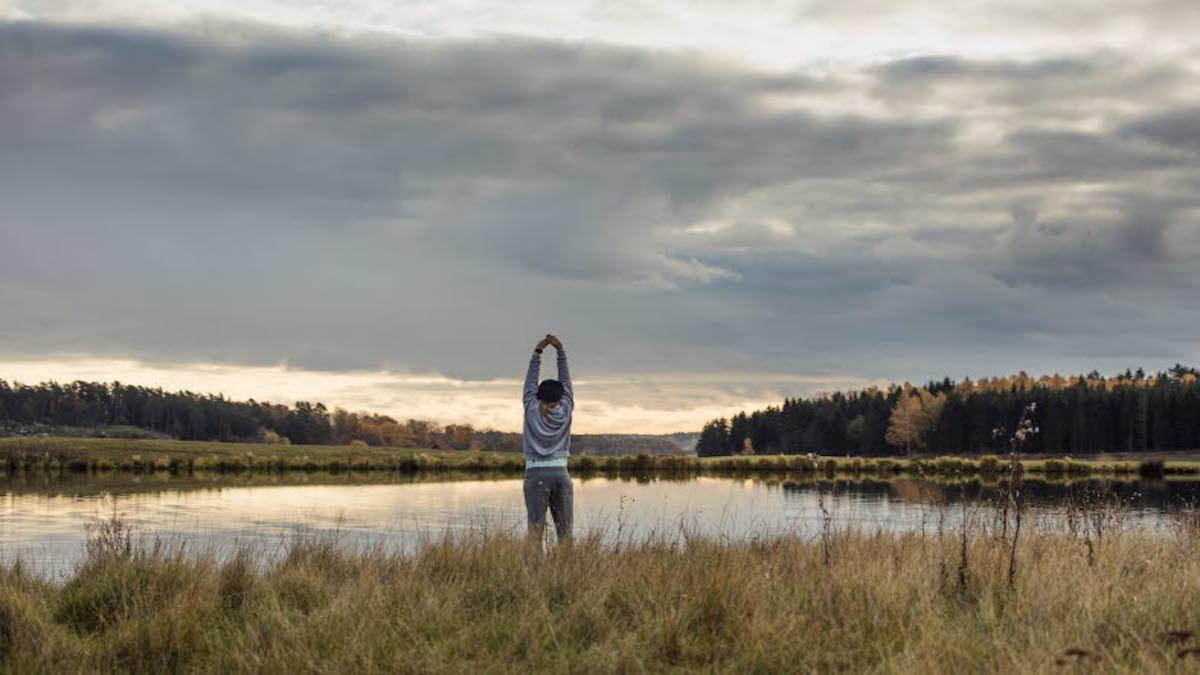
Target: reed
(484, 602)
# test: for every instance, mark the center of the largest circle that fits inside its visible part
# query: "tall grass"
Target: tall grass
(480, 602)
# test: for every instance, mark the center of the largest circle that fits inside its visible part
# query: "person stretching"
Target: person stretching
(546, 443)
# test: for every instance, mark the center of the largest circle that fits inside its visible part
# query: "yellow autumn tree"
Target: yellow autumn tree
(913, 418)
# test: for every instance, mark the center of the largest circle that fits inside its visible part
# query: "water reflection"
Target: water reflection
(43, 516)
(1142, 494)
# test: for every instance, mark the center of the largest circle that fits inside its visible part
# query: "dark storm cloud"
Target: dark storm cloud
(1123, 249)
(1041, 90)
(1176, 128)
(340, 203)
(926, 69)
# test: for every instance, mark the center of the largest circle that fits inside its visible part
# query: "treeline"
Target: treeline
(191, 416)
(1130, 412)
(205, 417)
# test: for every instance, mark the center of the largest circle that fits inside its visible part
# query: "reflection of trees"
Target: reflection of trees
(1159, 494)
(916, 491)
(1146, 494)
(802, 487)
(72, 484)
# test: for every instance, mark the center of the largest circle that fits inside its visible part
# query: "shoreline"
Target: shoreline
(93, 455)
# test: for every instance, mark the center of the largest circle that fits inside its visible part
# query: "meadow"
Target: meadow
(1084, 600)
(146, 456)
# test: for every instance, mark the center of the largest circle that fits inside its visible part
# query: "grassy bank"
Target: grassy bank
(145, 456)
(879, 603)
(113, 454)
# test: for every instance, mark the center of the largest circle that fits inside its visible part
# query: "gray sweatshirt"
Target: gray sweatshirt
(547, 441)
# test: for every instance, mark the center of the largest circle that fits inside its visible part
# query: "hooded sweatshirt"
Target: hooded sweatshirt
(546, 441)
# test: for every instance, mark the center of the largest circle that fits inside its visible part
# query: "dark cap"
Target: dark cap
(550, 391)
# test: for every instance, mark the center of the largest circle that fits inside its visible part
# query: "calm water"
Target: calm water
(44, 518)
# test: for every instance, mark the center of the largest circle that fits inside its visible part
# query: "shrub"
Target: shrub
(270, 437)
(886, 466)
(949, 466)
(1078, 468)
(989, 464)
(1152, 468)
(830, 467)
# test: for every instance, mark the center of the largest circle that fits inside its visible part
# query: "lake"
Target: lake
(44, 517)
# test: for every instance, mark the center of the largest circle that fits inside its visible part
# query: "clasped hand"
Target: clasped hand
(550, 340)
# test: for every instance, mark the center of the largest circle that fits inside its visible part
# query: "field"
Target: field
(1119, 600)
(98, 454)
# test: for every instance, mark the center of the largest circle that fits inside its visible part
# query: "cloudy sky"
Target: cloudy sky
(384, 204)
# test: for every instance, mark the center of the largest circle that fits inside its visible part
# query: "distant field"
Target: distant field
(151, 455)
(104, 454)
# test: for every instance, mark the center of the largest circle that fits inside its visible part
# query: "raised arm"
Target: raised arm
(531, 376)
(564, 373)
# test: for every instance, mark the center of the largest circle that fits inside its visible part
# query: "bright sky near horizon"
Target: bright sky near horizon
(384, 204)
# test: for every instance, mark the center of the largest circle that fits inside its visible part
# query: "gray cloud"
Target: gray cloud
(434, 205)
(1177, 128)
(927, 70)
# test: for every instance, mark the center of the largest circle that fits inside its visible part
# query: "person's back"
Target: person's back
(546, 443)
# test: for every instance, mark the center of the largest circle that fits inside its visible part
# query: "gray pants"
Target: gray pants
(549, 486)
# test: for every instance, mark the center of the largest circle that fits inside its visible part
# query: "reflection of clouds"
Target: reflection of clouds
(49, 529)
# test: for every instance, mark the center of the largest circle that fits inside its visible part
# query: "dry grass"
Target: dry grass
(483, 603)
